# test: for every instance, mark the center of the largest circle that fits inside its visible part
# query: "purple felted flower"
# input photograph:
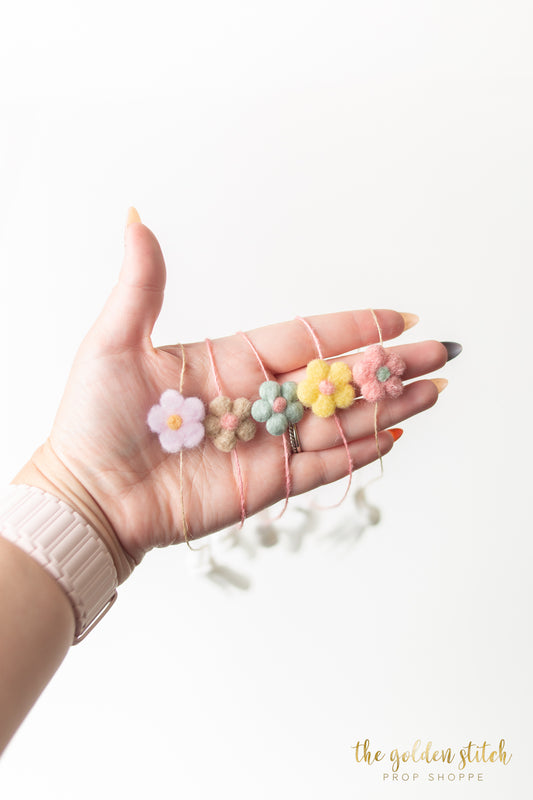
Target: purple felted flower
(178, 421)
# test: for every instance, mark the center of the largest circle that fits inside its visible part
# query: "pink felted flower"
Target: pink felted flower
(378, 374)
(178, 421)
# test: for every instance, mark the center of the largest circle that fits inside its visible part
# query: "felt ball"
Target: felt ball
(340, 373)
(220, 405)
(212, 425)
(324, 405)
(372, 392)
(242, 407)
(171, 400)
(246, 430)
(344, 396)
(294, 412)
(277, 424)
(225, 441)
(383, 374)
(317, 370)
(192, 410)
(288, 391)
(193, 433)
(279, 405)
(171, 441)
(394, 387)
(261, 410)
(307, 392)
(157, 419)
(269, 390)
(396, 364)
(326, 387)
(230, 422)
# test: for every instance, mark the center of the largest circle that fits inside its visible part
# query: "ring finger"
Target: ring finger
(357, 422)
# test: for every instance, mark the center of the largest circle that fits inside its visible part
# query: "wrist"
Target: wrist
(46, 471)
(64, 544)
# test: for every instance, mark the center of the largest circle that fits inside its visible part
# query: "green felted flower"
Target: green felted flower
(278, 406)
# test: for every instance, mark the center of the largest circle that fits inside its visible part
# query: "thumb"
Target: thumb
(133, 306)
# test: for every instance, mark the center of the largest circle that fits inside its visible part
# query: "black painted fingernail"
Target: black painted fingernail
(453, 348)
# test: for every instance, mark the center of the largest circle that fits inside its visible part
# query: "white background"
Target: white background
(312, 156)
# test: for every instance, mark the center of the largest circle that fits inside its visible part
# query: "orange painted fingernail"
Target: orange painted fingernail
(440, 383)
(409, 320)
(133, 216)
(396, 433)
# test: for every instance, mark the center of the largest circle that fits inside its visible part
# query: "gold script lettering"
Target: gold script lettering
(367, 754)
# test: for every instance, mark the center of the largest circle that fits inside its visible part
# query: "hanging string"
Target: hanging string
(376, 432)
(234, 457)
(288, 479)
(336, 419)
(361, 499)
(185, 524)
(378, 326)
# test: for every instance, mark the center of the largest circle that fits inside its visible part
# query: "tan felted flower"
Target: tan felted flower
(229, 421)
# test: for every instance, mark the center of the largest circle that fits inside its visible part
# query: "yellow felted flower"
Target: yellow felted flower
(326, 387)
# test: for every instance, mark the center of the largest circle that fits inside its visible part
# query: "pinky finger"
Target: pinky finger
(317, 468)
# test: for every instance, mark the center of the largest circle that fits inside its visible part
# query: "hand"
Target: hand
(101, 433)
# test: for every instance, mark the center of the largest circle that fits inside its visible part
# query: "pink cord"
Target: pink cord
(256, 354)
(314, 337)
(337, 422)
(213, 367)
(234, 457)
(288, 479)
(240, 483)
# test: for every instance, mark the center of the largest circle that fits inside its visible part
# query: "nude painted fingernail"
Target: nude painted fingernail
(396, 433)
(409, 320)
(440, 383)
(133, 216)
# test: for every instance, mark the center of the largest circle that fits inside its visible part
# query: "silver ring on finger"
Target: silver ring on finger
(294, 439)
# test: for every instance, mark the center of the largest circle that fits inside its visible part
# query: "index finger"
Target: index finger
(289, 346)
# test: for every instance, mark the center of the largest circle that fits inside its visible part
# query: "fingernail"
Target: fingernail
(440, 383)
(133, 216)
(453, 348)
(409, 320)
(396, 433)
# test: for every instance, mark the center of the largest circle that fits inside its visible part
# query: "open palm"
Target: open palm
(102, 436)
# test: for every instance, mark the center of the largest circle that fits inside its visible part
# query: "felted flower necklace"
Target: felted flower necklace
(181, 422)
(178, 421)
